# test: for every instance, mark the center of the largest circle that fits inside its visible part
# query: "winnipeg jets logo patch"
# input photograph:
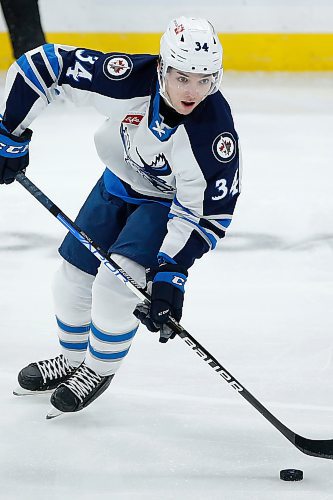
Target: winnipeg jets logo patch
(224, 147)
(117, 67)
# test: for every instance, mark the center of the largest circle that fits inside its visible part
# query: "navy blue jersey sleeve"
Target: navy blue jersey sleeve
(86, 77)
(208, 169)
(112, 75)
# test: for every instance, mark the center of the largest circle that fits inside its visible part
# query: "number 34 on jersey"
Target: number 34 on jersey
(223, 189)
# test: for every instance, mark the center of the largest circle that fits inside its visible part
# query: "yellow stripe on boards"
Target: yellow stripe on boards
(6, 57)
(278, 52)
(242, 51)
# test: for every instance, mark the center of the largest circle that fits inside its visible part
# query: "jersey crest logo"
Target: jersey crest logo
(224, 147)
(133, 119)
(117, 67)
(159, 165)
(153, 172)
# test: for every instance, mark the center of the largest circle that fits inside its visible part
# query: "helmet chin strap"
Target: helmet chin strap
(162, 90)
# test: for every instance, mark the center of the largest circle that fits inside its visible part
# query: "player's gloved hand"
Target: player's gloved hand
(167, 297)
(14, 154)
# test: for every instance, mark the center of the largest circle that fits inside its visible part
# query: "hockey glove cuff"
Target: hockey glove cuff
(14, 154)
(167, 298)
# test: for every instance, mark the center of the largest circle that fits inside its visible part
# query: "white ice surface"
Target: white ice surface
(169, 427)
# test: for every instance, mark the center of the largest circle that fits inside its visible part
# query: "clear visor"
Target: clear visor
(196, 83)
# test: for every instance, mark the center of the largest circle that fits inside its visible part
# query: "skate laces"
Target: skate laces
(54, 368)
(82, 381)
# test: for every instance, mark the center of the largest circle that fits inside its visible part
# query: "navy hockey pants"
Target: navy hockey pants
(134, 231)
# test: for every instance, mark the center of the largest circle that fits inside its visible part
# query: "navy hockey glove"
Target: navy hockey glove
(167, 298)
(14, 154)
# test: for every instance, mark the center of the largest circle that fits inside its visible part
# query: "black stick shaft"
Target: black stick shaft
(319, 448)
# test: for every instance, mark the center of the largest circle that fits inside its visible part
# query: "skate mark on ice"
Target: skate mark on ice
(251, 242)
(12, 241)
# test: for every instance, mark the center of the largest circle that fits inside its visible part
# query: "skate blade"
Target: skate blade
(53, 413)
(19, 391)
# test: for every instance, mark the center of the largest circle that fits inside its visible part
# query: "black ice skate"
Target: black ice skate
(78, 391)
(43, 376)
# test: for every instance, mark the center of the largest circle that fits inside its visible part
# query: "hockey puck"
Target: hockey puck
(291, 475)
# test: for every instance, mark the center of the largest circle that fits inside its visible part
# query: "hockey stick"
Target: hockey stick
(322, 448)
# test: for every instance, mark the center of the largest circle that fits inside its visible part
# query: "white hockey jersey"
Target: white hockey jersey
(191, 163)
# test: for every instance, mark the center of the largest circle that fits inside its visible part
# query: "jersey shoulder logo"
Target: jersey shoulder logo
(133, 119)
(224, 147)
(117, 67)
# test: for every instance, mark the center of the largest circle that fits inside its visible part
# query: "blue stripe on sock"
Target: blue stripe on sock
(74, 346)
(72, 329)
(107, 355)
(112, 338)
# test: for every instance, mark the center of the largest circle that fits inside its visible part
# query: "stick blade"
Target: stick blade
(321, 448)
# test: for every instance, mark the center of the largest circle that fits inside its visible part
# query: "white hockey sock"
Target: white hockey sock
(113, 324)
(107, 349)
(73, 341)
(72, 303)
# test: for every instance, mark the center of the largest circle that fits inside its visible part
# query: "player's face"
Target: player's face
(186, 90)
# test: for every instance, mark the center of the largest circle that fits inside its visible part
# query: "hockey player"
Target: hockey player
(166, 197)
